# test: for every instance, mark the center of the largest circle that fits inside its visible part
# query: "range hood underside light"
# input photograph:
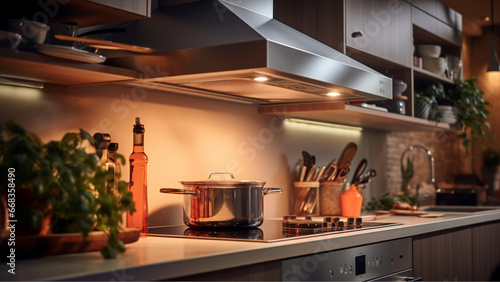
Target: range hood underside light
(242, 85)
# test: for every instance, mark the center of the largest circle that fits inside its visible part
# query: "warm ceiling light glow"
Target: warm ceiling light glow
(485, 19)
(333, 94)
(260, 78)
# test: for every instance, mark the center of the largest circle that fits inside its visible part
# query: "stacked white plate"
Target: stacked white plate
(449, 114)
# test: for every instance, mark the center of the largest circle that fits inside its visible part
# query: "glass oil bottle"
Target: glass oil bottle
(138, 181)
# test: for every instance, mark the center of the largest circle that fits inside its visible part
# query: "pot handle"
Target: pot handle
(272, 190)
(177, 191)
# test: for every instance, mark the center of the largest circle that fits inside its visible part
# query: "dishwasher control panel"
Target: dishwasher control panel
(367, 262)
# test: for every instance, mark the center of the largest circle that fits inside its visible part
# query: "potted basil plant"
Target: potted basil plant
(59, 187)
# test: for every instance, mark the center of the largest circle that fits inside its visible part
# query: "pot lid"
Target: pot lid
(223, 178)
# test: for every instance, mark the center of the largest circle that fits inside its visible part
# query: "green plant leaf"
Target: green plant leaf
(471, 106)
(86, 136)
(120, 158)
(66, 178)
(14, 128)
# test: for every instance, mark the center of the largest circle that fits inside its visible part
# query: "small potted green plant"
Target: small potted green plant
(469, 106)
(426, 101)
(473, 111)
(59, 187)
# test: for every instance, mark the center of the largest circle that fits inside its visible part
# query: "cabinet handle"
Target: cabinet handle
(411, 279)
(357, 34)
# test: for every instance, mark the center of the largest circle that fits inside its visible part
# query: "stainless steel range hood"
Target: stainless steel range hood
(234, 49)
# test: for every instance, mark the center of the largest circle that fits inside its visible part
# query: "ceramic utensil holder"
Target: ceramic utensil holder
(329, 197)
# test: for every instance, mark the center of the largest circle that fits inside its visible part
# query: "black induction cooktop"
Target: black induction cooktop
(272, 230)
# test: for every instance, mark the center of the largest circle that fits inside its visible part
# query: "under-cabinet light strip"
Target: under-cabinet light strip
(312, 122)
(21, 83)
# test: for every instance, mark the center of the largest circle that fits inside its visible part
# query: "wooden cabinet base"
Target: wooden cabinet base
(486, 251)
(268, 271)
(443, 256)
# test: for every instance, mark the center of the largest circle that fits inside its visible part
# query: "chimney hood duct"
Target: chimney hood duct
(218, 48)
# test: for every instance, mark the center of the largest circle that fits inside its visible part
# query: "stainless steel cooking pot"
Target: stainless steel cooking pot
(223, 202)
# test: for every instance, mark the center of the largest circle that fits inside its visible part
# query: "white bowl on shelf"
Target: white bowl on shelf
(429, 51)
(435, 65)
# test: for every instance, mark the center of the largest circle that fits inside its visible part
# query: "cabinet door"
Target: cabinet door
(322, 20)
(382, 28)
(439, 11)
(266, 271)
(436, 27)
(140, 7)
(84, 13)
(443, 256)
(486, 250)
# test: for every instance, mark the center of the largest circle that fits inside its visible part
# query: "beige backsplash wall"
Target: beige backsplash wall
(187, 138)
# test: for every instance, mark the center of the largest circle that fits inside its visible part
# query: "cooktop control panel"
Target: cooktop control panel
(361, 263)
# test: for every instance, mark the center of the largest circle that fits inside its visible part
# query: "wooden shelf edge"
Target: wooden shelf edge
(85, 13)
(37, 67)
(421, 72)
(344, 114)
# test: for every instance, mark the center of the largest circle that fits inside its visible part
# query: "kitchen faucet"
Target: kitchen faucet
(431, 167)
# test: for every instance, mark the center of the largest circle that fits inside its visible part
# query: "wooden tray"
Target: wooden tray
(379, 213)
(56, 244)
(407, 212)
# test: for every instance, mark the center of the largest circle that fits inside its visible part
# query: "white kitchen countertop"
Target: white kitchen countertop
(154, 258)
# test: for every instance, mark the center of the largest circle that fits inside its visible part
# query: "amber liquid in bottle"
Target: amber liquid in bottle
(138, 182)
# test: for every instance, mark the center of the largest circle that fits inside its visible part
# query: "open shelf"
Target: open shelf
(37, 67)
(426, 75)
(84, 13)
(345, 114)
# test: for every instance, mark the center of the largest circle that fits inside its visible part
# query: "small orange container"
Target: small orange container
(350, 202)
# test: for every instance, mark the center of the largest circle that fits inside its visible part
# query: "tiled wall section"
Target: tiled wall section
(450, 158)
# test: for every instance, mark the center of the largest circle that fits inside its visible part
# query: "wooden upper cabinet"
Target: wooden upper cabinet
(381, 28)
(322, 20)
(82, 12)
(436, 27)
(439, 11)
(139, 7)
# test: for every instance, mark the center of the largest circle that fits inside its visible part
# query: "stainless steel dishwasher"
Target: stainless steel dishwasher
(387, 261)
